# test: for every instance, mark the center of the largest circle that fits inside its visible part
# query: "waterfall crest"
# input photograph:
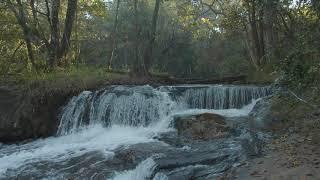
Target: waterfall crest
(124, 106)
(145, 105)
(222, 97)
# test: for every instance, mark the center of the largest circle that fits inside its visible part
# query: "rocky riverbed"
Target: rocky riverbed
(293, 151)
(142, 132)
(170, 155)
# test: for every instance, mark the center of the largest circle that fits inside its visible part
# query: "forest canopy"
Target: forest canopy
(182, 38)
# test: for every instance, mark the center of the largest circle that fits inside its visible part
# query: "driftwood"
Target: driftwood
(302, 100)
(223, 80)
(166, 79)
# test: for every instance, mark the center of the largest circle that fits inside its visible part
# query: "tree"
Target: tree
(19, 12)
(148, 51)
(136, 68)
(113, 36)
(270, 14)
(59, 47)
(202, 38)
(34, 34)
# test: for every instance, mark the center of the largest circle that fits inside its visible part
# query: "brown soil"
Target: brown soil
(287, 157)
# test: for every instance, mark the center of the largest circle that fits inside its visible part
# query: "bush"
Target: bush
(301, 69)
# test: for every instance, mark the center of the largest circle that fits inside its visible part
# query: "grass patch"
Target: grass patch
(83, 77)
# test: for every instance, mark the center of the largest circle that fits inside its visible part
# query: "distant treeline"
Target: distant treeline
(184, 38)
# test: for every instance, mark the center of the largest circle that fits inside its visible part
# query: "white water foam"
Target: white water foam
(56, 149)
(134, 106)
(160, 176)
(93, 138)
(244, 111)
(143, 171)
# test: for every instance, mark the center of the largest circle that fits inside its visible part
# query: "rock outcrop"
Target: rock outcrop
(27, 114)
(266, 114)
(202, 127)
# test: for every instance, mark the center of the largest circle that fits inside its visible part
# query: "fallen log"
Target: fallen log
(222, 80)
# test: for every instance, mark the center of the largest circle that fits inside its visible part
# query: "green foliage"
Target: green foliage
(206, 40)
(301, 61)
(302, 69)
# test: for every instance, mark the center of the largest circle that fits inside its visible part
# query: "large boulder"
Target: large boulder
(202, 127)
(261, 115)
(266, 114)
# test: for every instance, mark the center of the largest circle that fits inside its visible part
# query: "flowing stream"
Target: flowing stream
(96, 126)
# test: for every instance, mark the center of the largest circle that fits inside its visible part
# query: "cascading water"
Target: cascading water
(222, 97)
(124, 106)
(145, 105)
(119, 116)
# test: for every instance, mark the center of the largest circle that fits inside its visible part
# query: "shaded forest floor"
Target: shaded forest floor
(294, 151)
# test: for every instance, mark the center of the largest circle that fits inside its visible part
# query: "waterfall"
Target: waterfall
(144, 105)
(74, 113)
(222, 97)
(96, 125)
(124, 106)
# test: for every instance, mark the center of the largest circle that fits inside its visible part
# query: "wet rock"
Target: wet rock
(204, 161)
(252, 142)
(197, 172)
(184, 173)
(170, 138)
(183, 159)
(202, 153)
(202, 127)
(261, 115)
(133, 155)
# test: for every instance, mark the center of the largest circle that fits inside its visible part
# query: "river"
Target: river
(118, 133)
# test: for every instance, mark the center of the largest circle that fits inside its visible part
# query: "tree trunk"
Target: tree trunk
(77, 46)
(30, 52)
(113, 36)
(136, 67)
(27, 33)
(70, 16)
(255, 34)
(269, 19)
(148, 51)
(58, 49)
(261, 39)
(55, 35)
(34, 13)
